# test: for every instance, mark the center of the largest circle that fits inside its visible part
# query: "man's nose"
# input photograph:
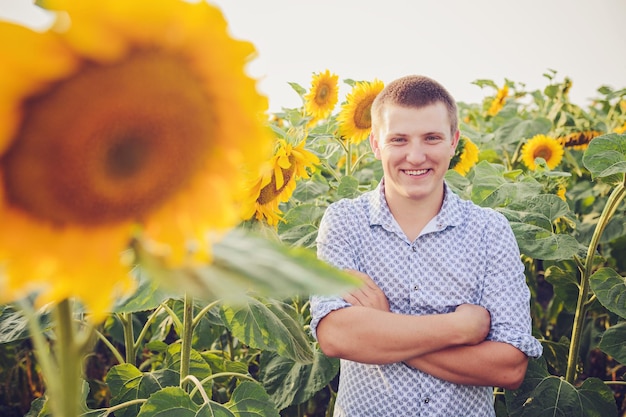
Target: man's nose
(416, 153)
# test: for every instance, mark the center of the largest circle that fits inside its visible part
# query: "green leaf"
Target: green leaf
(301, 225)
(169, 402)
(39, 408)
(348, 187)
(148, 295)
(213, 409)
(14, 325)
(555, 354)
(491, 188)
(536, 242)
(612, 342)
(298, 88)
(566, 286)
(610, 288)
(267, 326)
(516, 129)
(126, 383)
(197, 365)
(289, 383)
(250, 400)
(606, 155)
(549, 206)
(544, 395)
(245, 262)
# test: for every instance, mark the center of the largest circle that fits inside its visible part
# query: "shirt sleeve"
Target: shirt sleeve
(333, 247)
(505, 293)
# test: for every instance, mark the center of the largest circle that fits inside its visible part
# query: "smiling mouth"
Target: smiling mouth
(415, 172)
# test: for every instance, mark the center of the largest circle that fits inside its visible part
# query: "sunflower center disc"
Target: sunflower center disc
(362, 115)
(111, 143)
(270, 192)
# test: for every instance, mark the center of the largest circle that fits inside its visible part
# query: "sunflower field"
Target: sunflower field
(158, 224)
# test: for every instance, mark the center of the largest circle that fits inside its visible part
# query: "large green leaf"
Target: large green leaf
(348, 187)
(492, 188)
(250, 400)
(288, 382)
(269, 326)
(613, 342)
(126, 383)
(148, 295)
(198, 367)
(14, 325)
(545, 395)
(606, 155)
(245, 262)
(539, 243)
(170, 402)
(174, 402)
(610, 288)
(548, 206)
(301, 224)
(517, 129)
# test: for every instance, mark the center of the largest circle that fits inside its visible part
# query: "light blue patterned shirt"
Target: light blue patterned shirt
(466, 254)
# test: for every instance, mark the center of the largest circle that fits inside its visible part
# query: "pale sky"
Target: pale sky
(453, 41)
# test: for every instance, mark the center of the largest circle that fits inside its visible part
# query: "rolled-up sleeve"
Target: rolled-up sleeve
(334, 228)
(505, 293)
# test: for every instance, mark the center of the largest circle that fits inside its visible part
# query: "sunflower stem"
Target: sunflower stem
(349, 151)
(129, 336)
(41, 345)
(583, 295)
(64, 397)
(186, 337)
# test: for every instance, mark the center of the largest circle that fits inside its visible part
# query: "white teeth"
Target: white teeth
(416, 172)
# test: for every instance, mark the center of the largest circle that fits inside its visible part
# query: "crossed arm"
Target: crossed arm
(448, 346)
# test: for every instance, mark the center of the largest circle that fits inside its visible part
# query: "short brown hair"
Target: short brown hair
(415, 91)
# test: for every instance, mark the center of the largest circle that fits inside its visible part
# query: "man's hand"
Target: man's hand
(474, 322)
(368, 294)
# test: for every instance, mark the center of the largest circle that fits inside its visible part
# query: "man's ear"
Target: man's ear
(374, 145)
(455, 141)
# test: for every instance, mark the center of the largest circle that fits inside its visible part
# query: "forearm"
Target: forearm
(368, 335)
(488, 364)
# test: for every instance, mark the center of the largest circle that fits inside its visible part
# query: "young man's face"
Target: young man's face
(415, 146)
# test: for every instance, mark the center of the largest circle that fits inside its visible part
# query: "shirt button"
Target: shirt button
(426, 400)
(414, 248)
(415, 288)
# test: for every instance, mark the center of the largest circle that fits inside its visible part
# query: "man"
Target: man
(443, 315)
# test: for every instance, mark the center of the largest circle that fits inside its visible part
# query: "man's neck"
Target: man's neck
(414, 215)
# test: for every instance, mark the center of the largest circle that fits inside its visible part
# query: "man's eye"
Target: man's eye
(397, 140)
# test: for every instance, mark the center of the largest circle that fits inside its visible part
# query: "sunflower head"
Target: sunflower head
(578, 140)
(498, 102)
(542, 146)
(465, 156)
(355, 118)
(119, 126)
(321, 99)
(277, 181)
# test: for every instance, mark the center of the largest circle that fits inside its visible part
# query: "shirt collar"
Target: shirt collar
(451, 213)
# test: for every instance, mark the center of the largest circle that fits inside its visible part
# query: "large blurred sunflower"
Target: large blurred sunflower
(465, 156)
(542, 146)
(498, 102)
(355, 118)
(277, 181)
(126, 120)
(320, 101)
